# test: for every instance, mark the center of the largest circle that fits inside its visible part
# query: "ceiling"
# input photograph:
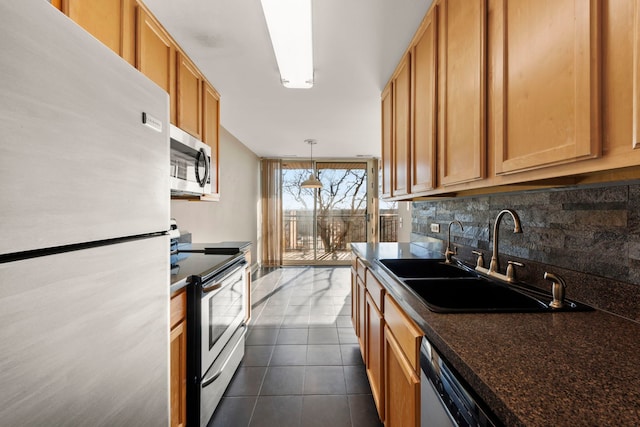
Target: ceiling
(357, 44)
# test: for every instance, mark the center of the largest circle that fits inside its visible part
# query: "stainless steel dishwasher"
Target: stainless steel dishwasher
(445, 399)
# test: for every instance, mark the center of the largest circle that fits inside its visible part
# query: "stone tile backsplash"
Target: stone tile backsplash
(588, 231)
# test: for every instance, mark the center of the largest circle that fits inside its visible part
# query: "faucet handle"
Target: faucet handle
(480, 262)
(511, 272)
(558, 286)
(448, 253)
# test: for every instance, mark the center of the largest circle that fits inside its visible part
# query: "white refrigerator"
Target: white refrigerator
(84, 211)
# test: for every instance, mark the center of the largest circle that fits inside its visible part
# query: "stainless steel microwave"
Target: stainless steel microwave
(190, 171)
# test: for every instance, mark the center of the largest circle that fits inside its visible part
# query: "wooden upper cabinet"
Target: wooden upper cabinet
(462, 90)
(401, 128)
(210, 131)
(189, 96)
(636, 75)
(387, 140)
(424, 105)
(155, 54)
(545, 84)
(102, 19)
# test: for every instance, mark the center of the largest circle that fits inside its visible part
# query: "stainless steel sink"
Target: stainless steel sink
(425, 268)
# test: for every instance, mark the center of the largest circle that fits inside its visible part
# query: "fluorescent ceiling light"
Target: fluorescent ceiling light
(289, 24)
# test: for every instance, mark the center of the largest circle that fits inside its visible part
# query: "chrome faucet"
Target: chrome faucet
(448, 252)
(494, 266)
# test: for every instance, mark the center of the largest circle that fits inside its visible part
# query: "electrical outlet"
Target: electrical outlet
(435, 228)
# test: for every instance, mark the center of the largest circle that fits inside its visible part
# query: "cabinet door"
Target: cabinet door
(210, 131)
(401, 128)
(178, 375)
(189, 97)
(361, 318)
(462, 90)
(402, 386)
(178, 358)
(102, 19)
(424, 106)
(545, 83)
(636, 75)
(155, 54)
(387, 140)
(247, 293)
(354, 301)
(375, 351)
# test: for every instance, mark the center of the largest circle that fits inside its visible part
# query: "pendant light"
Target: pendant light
(313, 181)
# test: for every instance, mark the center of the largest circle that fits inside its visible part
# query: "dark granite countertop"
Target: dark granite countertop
(534, 369)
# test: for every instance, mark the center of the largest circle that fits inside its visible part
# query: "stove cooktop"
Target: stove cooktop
(185, 265)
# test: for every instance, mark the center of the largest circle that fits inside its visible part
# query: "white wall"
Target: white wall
(235, 216)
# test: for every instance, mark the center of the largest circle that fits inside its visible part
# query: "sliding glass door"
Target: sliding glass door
(320, 224)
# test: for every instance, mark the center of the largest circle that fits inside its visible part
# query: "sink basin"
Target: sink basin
(473, 295)
(424, 268)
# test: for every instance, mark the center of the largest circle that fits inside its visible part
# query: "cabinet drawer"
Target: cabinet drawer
(178, 308)
(360, 269)
(376, 290)
(406, 333)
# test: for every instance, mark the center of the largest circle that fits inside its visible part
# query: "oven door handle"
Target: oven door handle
(211, 288)
(216, 374)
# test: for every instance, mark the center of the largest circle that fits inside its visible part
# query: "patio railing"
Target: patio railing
(335, 231)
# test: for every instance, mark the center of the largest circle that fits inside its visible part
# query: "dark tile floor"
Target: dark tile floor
(302, 365)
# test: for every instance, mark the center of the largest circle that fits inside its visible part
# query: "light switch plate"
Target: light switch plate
(435, 228)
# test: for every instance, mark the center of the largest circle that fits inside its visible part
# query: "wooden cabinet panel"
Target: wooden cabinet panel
(210, 131)
(401, 128)
(424, 105)
(636, 74)
(178, 359)
(546, 82)
(361, 269)
(462, 90)
(102, 19)
(354, 301)
(360, 309)
(178, 374)
(376, 290)
(387, 140)
(407, 334)
(402, 386)
(247, 293)
(189, 96)
(375, 352)
(178, 308)
(155, 54)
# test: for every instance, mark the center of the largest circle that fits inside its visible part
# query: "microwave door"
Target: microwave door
(190, 172)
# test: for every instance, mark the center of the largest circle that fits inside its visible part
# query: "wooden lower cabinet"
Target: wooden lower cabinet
(375, 352)
(178, 359)
(402, 386)
(360, 309)
(354, 301)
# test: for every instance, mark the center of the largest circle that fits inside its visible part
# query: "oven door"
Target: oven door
(222, 312)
